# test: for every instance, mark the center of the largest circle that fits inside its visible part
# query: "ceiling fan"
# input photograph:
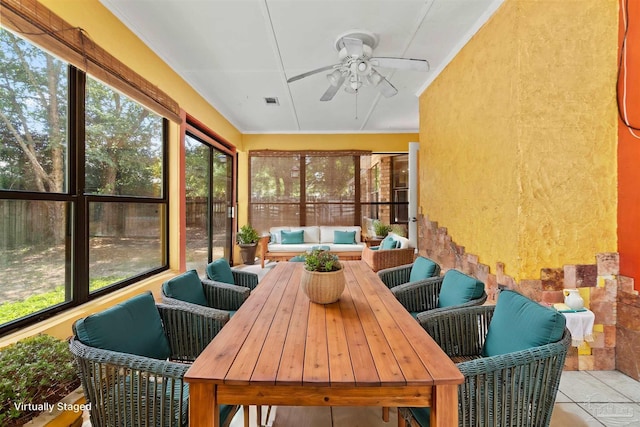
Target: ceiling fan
(356, 66)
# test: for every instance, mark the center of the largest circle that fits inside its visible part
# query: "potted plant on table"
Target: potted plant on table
(247, 239)
(322, 278)
(381, 229)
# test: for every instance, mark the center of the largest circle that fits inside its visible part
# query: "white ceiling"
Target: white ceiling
(237, 52)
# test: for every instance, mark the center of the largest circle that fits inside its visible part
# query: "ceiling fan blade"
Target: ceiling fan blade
(386, 88)
(312, 72)
(401, 63)
(353, 46)
(333, 89)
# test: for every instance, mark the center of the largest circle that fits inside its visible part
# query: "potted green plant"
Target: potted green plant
(381, 229)
(247, 239)
(323, 278)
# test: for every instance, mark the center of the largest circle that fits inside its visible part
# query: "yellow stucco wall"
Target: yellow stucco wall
(518, 137)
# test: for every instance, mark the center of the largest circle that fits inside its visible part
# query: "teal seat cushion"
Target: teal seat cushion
(519, 323)
(321, 248)
(422, 416)
(422, 268)
(458, 288)
(133, 327)
(220, 271)
(297, 258)
(292, 237)
(388, 243)
(344, 237)
(185, 287)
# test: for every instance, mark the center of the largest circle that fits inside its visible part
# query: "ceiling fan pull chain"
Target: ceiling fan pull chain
(356, 104)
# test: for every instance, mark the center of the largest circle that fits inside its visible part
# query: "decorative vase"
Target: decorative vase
(248, 253)
(573, 299)
(323, 287)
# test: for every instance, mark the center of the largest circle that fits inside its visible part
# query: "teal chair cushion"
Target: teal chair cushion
(185, 287)
(519, 323)
(321, 248)
(388, 243)
(422, 416)
(133, 327)
(422, 268)
(292, 237)
(344, 237)
(220, 271)
(297, 258)
(458, 288)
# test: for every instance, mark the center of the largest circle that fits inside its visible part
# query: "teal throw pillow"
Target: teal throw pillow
(292, 237)
(388, 243)
(133, 327)
(519, 323)
(423, 268)
(344, 237)
(220, 271)
(186, 287)
(458, 288)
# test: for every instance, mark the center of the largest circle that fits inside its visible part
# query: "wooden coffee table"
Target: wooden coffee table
(364, 350)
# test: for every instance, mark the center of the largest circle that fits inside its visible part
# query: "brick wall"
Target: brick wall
(611, 297)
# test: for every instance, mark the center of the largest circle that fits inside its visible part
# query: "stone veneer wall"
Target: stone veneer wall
(611, 297)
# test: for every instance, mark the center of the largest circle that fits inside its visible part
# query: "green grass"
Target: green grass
(15, 310)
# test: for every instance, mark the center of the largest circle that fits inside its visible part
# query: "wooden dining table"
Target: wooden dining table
(363, 350)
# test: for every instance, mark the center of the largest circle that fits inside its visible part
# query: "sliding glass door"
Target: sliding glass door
(209, 202)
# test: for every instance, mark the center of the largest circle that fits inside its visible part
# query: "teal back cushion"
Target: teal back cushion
(458, 288)
(344, 237)
(292, 237)
(220, 271)
(519, 323)
(133, 327)
(422, 268)
(388, 243)
(185, 287)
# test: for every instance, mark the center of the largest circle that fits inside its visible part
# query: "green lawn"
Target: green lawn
(15, 310)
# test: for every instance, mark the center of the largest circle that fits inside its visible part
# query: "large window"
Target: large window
(303, 188)
(83, 203)
(323, 188)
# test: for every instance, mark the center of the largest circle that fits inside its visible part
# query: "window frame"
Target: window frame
(77, 219)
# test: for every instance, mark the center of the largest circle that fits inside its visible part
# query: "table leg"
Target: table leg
(444, 406)
(259, 414)
(245, 415)
(200, 397)
(385, 414)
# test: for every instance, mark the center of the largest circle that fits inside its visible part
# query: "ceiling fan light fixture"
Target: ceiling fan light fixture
(334, 78)
(374, 78)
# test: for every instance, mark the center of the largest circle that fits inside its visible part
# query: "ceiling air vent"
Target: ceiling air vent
(271, 101)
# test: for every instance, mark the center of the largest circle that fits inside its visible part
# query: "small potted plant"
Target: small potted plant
(247, 239)
(381, 229)
(323, 278)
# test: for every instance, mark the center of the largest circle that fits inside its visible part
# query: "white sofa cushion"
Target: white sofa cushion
(327, 232)
(276, 236)
(404, 242)
(311, 233)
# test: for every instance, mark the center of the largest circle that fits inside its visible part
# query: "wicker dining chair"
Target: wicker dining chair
(220, 271)
(188, 289)
(452, 290)
(420, 269)
(132, 358)
(511, 355)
